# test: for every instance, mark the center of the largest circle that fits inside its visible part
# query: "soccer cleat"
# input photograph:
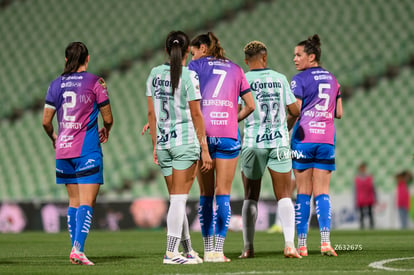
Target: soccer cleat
(303, 251)
(220, 258)
(275, 229)
(178, 259)
(209, 257)
(249, 253)
(327, 250)
(291, 252)
(193, 255)
(77, 257)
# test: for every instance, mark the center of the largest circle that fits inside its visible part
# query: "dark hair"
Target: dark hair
(176, 45)
(76, 54)
(312, 45)
(254, 48)
(212, 43)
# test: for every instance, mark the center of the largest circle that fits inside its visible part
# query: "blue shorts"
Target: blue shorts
(85, 169)
(224, 148)
(313, 155)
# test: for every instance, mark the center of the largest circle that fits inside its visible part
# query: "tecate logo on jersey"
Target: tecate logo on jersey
(219, 115)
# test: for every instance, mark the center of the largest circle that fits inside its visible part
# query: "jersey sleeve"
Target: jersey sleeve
(192, 66)
(148, 91)
(244, 84)
(289, 96)
(50, 101)
(193, 86)
(101, 93)
(339, 91)
(297, 87)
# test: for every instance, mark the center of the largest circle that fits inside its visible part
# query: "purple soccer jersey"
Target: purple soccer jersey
(221, 83)
(318, 89)
(77, 97)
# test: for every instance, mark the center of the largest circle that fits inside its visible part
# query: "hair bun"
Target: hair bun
(315, 40)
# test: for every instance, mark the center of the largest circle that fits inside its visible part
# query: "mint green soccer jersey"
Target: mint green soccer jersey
(266, 127)
(174, 124)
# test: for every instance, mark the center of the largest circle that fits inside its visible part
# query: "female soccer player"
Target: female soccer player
(222, 83)
(78, 96)
(174, 111)
(266, 143)
(313, 140)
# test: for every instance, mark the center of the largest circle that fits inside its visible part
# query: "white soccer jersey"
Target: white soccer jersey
(266, 127)
(174, 123)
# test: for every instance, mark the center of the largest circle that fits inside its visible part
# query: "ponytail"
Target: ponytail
(176, 45)
(215, 48)
(213, 45)
(176, 60)
(76, 54)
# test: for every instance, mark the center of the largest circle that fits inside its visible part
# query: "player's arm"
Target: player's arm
(293, 114)
(108, 121)
(248, 107)
(152, 121)
(48, 114)
(291, 117)
(198, 121)
(338, 108)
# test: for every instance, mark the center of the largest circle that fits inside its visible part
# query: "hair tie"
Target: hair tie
(176, 41)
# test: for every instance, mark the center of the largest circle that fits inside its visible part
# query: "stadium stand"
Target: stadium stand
(360, 39)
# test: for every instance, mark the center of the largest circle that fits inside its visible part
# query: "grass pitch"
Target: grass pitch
(141, 252)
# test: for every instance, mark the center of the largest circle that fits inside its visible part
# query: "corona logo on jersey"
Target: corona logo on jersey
(219, 114)
(256, 86)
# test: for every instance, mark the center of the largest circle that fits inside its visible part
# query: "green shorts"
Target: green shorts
(255, 160)
(180, 158)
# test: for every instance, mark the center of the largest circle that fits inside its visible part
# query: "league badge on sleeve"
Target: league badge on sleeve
(102, 82)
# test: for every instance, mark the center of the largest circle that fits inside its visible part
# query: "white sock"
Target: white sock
(185, 236)
(249, 217)
(286, 212)
(175, 219)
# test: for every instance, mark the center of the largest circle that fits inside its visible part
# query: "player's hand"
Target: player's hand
(145, 128)
(207, 162)
(103, 135)
(154, 156)
(54, 138)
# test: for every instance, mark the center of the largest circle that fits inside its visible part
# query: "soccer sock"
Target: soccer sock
(205, 214)
(83, 223)
(222, 217)
(286, 212)
(323, 211)
(72, 223)
(249, 217)
(175, 219)
(185, 236)
(302, 213)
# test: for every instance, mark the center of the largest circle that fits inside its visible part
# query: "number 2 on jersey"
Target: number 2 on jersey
(69, 103)
(222, 74)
